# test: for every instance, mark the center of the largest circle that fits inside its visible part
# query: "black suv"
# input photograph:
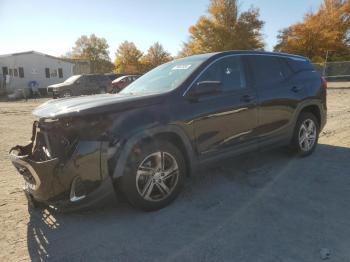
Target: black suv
(81, 85)
(144, 140)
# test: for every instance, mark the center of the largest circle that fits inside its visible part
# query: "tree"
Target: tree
(328, 29)
(156, 55)
(95, 50)
(225, 28)
(128, 58)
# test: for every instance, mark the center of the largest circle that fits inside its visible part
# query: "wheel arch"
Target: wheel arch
(172, 134)
(313, 109)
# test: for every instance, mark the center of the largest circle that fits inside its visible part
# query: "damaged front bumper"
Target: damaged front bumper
(77, 181)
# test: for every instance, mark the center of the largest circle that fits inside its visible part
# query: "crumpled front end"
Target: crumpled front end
(62, 167)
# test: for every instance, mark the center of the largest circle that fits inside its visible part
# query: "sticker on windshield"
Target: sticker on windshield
(181, 67)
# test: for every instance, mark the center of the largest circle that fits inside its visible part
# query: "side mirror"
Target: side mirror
(205, 88)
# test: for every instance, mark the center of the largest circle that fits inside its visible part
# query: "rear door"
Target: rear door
(85, 85)
(226, 119)
(95, 84)
(278, 96)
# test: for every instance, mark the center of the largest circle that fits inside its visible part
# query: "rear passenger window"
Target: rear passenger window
(267, 70)
(286, 69)
(300, 64)
(229, 71)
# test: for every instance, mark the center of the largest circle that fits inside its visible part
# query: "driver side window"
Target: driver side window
(229, 71)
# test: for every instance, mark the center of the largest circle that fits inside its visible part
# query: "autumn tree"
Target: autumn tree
(225, 28)
(155, 56)
(328, 29)
(95, 50)
(128, 58)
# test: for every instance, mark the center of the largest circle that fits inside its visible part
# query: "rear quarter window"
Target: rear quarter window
(286, 68)
(300, 64)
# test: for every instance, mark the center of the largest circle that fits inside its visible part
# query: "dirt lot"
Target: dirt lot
(261, 207)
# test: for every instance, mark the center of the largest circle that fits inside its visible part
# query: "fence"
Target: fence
(335, 71)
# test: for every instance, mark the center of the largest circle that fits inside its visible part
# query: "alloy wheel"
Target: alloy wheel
(307, 135)
(157, 176)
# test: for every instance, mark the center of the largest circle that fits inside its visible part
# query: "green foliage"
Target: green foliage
(225, 28)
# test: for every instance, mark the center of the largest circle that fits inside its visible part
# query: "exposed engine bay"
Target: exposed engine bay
(66, 160)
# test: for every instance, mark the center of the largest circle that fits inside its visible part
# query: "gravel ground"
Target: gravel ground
(341, 85)
(261, 207)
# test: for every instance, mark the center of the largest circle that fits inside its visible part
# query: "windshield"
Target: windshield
(119, 78)
(72, 79)
(166, 77)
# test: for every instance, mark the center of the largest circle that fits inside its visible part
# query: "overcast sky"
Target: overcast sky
(52, 27)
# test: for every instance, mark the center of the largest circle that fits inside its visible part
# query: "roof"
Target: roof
(246, 52)
(253, 52)
(35, 52)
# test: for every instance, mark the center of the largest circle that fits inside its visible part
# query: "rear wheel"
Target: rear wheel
(154, 175)
(306, 134)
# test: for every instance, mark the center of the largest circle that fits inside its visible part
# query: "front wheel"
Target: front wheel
(102, 90)
(306, 134)
(154, 175)
(67, 93)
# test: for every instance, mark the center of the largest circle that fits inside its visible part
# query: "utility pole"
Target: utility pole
(325, 63)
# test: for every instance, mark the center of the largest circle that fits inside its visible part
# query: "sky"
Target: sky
(52, 27)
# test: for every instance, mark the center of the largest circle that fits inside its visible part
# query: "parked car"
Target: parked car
(81, 85)
(113, 76)
(121, 82)
(145, 140)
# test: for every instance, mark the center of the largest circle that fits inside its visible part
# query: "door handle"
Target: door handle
(296, 89)
(247, 98)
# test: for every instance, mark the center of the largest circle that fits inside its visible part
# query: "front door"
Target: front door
(226, 119)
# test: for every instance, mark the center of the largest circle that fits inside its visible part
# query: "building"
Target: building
(81, 66)
(19, 71)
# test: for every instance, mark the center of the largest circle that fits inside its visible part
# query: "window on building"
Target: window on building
(21, 72)
(47, 72)
(53, 73)
(5, 70)
(10, 71)
(15, 72)
(60, 72)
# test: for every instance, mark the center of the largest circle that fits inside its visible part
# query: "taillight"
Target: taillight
(324, 82)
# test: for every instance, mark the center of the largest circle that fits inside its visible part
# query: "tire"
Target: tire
(102, 90)
(154, 175)
(66, 93)
(303, 143)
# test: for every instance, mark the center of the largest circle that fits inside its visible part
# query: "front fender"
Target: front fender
(130, 142)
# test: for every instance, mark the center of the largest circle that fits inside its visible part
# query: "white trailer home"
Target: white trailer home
(22, 70)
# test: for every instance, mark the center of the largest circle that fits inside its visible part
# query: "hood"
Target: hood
(60, 84)
(94, 104)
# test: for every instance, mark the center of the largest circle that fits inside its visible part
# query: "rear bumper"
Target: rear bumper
(79, 182)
